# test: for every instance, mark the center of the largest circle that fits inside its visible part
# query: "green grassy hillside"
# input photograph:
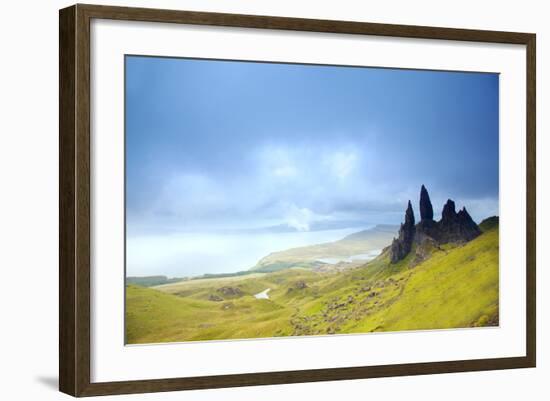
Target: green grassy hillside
(150, 281)
(457, 286)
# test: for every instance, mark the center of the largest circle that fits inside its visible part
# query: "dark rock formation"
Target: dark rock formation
(402, 245)
(298, 285)
(448, 214)
(456, 227)
(427, 226)
(429, 234)
(409, 216)
(230, 291)
(424, 250)
(468, 227)
(215, 298)
(425, 229)
(426, 209)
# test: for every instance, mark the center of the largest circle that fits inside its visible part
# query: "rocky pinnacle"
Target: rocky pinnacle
(402, 245)
(409, 216)
(426, 209)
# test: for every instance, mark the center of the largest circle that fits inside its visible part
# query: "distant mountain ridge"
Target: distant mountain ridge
(366, 234)
(286, 228)
(150, 281)
(361, 242)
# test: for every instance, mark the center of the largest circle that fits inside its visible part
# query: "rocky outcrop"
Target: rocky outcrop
(215, 298)
(456, 227)
(428, 234)
(427, 227)
(402, 245)
(297, 286)
(448, 214)
(230, 291)
(424, 250)
(426, 209)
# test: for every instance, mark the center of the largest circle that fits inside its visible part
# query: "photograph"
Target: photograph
(272, 199)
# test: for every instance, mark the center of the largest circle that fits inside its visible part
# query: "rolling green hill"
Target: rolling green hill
(455, 287)
(150, 281)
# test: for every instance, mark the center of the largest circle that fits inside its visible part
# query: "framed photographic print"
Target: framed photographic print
(250, 200)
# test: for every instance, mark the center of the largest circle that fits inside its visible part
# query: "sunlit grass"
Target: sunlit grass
(456, 287)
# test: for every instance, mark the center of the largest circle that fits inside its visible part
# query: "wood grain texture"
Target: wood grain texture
(300, 376)
(301, 24)
(74, 199)
(67, 293)
(531, 228)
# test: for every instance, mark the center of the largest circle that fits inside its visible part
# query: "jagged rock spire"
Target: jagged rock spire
(402, 245)
(464, 217)
(456, 227)
(409, 215)
(449, 212)
(426, 209)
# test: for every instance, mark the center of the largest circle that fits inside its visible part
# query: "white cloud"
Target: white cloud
(295, 185)
(277, 161)
(342, 164)
(299, 218)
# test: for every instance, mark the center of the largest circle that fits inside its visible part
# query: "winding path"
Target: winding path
(263, 294)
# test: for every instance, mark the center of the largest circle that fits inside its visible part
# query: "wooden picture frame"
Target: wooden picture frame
(74, 199)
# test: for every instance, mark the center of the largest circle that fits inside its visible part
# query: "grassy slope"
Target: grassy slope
(183, 311)
(150, 281)
(455, 287)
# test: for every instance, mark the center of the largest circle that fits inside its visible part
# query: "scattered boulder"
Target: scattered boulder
(215, 298)
(230, 291)
(298, 285)
(228, 305)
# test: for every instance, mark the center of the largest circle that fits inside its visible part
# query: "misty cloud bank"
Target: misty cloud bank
(237, 146)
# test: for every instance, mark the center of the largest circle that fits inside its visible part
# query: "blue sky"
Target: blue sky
(232, 145)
